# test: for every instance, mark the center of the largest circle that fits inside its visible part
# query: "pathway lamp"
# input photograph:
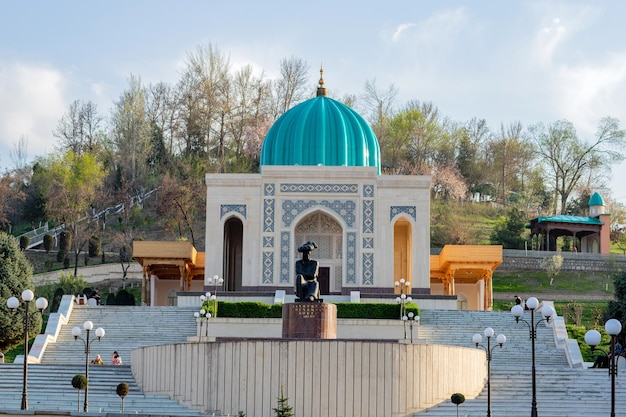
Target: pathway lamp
(613, 327)
(88, 326)
(411, 318)
(477, 339)
(547, 311)
(41, 304)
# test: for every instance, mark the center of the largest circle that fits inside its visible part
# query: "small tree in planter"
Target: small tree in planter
(122, 390)
(24, 242)
(79, 382)
(48, 242)
(283, 409)
(457, 398)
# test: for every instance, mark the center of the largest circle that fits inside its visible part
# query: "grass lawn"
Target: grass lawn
(537, 282)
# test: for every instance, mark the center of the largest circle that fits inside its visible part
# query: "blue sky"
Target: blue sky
(504, 61)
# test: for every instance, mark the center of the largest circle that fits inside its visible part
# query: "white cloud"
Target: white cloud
(31, 103)
(547, 40)
(400, 30)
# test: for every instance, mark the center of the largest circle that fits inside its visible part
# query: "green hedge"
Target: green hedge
(249, 309)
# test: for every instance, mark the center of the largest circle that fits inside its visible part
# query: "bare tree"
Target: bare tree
(568, 159)
(292, 86)
(79, 128)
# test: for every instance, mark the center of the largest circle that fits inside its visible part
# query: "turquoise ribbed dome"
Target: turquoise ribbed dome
(596, 200)
(321, 131)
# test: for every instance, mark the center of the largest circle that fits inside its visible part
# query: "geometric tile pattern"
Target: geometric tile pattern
(319, 188)
(268, 190)
(268, 267)
(344, 209)
(368, 191)
(368, 268)
(268, 215)
(285, 258)
(229, 208)
(368, 243)
(268, 241)
(395, 210)
(368, 216)
(351, 258)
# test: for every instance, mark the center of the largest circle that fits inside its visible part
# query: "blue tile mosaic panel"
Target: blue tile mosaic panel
(285, 257)
(268, 241)
(351, 258)
(230, 208)
(343, 208)
(268, 267)
(368, 191)
(368, 268)
(368, 243)
(368, 216)
(395, 210)
(268, 190)
(268, 215)
(319, 188)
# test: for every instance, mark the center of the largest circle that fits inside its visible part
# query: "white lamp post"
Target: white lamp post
(404, 286)
(477, 339)
(41, 304)
(547, 311)
(613, 327)
(88, 326)
(411, 318)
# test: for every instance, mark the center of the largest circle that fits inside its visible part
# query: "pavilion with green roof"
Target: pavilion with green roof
(591, 233)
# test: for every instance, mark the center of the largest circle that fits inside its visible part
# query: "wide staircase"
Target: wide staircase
(561, 390)
(49, 383)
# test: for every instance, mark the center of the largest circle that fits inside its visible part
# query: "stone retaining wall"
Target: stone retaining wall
(519, 260)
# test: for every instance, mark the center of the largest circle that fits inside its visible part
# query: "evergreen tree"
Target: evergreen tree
(15, 276)
(283, 409)
(617, 309)
(508, 231)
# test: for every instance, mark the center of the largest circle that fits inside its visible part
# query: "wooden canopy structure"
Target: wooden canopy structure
(466, 264)
(168, 261)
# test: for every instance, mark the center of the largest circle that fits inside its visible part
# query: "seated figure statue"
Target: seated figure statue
(307, 286)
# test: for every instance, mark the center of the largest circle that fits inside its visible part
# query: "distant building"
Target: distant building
(591, 233)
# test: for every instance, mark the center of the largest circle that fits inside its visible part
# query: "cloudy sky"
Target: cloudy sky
(504, 61)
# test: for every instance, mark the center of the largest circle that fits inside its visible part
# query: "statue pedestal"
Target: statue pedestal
(309, 321)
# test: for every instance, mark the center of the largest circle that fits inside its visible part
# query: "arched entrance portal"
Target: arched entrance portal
(328, 234)
(233, 244)
(402, 250)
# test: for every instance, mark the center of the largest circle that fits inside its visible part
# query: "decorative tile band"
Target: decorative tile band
(268, 190)
(368, 216)
(395, 210)
(268, 267)
(368, 268)
(368, 191)
(368, 243)
(268, 241)
(285, 257)
(268, 215)
(351, 258)
(319, 188)
(230, 208)
(344, 209)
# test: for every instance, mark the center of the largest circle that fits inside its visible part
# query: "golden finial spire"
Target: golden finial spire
(321, 91)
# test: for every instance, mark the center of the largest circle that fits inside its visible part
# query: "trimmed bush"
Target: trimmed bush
(24, 242)
(124, 298)
(66, 262)
(61, 255)
(65, 240)
(95, 246)
(48, 242)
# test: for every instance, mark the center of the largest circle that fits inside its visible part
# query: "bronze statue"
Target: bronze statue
(307, 269)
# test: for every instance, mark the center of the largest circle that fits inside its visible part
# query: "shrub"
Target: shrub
(122, 390)
(126, 253)
(61, 255)
(65, 240)
(95, 246)
(24, 242)
(66, 262)
(124, 298)
(48, 242)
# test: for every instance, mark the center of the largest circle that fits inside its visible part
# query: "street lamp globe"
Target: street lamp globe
(501, 339)
(613, 327)
(13, 303)
(28, 295)
(41, 303)
(547, 311)
(100, 332)
(477, 338)
(593, 337)
(532, 303)
(489, 332)
(517, 311)
(75, 331)
(88, 325)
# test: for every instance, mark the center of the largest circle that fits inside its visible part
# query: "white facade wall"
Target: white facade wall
(365, 204)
